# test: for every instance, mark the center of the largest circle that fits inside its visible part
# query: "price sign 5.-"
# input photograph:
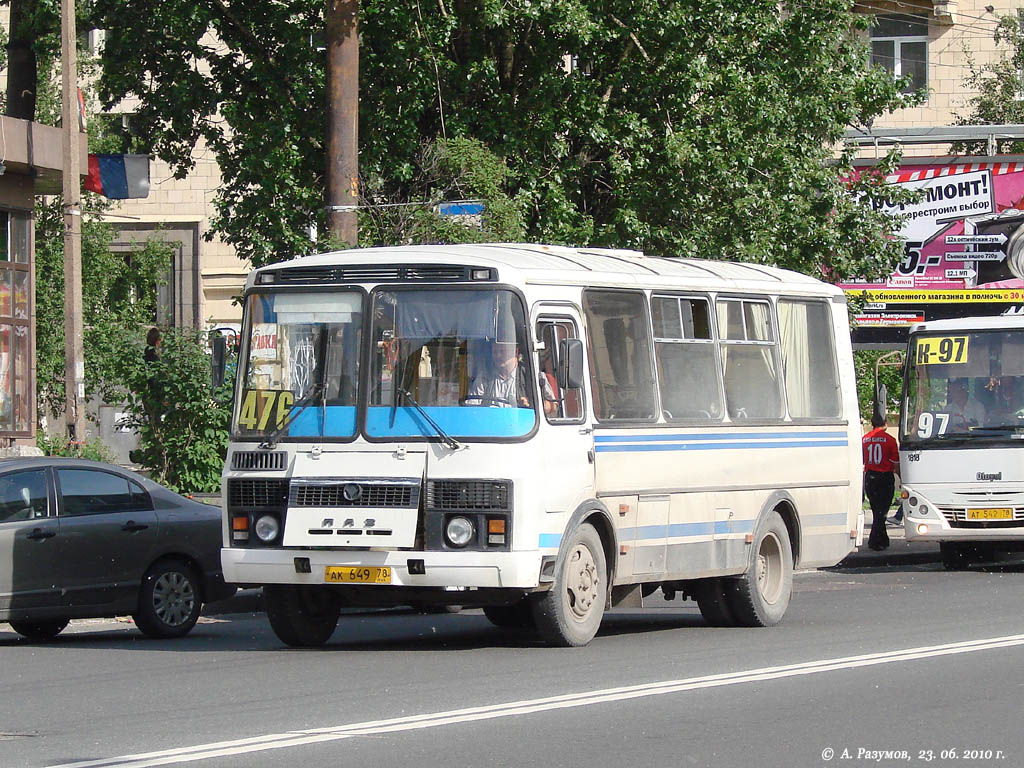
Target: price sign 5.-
(941, 349)
(263, 407)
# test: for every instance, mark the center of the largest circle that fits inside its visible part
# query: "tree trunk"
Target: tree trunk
(22, 71)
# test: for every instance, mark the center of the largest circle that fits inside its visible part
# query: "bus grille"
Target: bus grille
(252, 492)
(258, 460)
(468, 494)
(375, 273)
(371, 495)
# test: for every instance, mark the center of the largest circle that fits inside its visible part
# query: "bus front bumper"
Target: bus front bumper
(512, 570)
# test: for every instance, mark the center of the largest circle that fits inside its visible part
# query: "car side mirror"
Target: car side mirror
(570, 364)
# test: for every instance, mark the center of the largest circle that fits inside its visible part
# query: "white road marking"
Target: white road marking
(531, 706)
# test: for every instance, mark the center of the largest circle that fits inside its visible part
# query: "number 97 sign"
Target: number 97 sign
(941, 349)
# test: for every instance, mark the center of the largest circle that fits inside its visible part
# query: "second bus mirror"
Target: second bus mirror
(570, 364)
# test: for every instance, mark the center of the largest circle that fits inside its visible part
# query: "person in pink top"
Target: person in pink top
(881, 465)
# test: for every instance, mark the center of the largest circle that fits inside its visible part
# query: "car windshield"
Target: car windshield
(964, 388)
(300, 366)
(454, 359)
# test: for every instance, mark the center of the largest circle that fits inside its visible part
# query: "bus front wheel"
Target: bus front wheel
(570, 613)
(956, 556)
(760, 597)
(301, 616)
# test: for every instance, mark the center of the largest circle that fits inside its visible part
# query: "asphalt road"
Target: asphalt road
(874, 661)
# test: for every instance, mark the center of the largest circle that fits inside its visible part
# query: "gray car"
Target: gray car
(81, 539)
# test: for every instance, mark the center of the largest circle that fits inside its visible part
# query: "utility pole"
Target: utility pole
(74, 351)
(342, 172)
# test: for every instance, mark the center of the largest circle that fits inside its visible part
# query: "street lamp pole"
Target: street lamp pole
(74, 351)
(342, 171)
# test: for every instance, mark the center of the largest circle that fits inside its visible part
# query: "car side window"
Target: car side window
(23, 495)
(93, 492)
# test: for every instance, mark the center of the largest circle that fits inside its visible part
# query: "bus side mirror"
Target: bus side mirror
(570, 364)
(218, 359)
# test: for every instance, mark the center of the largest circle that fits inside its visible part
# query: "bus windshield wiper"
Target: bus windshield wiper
(297, 408)
(447, 439)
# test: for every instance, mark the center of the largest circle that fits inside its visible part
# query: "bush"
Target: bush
(181, 422)
(59, 445)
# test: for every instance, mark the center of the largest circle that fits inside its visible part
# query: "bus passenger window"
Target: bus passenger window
(748, 360)
(808, 359)
(621, 370)
(685, 353)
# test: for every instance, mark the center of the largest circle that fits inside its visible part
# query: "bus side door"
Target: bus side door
(568, 442)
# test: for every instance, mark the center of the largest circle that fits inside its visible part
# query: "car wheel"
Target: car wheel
(712, 601)
(570, 613)
(515, 616)
(303, 617)
(169, 601)
(760, 597)
(39, 630)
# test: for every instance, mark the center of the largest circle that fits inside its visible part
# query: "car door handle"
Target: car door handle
(38, 534)
(131, 526)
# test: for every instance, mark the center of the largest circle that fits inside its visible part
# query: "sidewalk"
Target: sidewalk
(900, 552)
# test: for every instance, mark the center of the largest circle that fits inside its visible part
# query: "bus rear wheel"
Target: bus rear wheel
(303, 617)
(760, 597)
(713, 601)
(570, 613)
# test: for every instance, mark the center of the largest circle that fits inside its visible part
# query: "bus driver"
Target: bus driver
(504, 384)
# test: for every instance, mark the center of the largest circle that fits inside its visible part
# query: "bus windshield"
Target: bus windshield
(301, 366)
(963, 387)
(449, 362)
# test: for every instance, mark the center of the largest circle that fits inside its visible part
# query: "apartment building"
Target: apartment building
(935, 43)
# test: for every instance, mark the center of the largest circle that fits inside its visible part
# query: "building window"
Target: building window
(15, 325)
(899, 43)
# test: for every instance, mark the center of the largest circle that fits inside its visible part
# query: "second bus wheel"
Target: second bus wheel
(570, 613)
(760, 597)
(303, 617)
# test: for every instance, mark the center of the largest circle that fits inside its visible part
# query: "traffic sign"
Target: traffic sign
(976, 239)
(975, 256)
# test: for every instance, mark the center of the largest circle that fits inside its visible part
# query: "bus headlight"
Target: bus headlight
(459, 531)
(267, 528)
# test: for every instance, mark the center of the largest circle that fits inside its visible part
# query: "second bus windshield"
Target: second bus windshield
(964, 385)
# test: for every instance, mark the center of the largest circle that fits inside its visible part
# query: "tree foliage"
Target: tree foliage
(682, 128)
(182, 423)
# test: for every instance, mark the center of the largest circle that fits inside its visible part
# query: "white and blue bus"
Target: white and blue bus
(538, 431)
(962, 437)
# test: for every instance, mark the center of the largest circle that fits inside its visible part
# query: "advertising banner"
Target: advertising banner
(963, 248)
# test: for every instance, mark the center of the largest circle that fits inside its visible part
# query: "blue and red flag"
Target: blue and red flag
(118, 177)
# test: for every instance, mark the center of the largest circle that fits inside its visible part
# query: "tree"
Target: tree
(689, 128)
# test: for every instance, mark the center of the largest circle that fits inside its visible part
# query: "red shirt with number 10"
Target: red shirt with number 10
(881, 453)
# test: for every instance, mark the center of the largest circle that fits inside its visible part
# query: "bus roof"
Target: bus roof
(1010, 322)
(555, 265)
